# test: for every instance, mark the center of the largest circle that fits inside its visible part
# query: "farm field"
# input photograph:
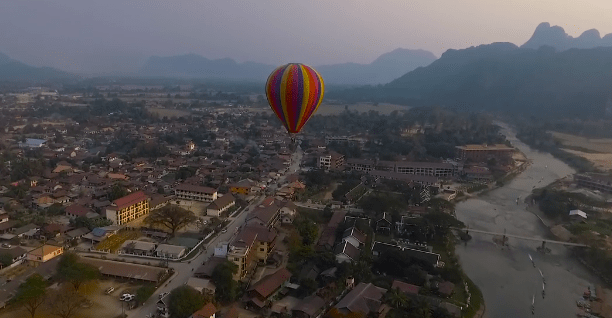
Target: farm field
(164, 112)
(597, 151)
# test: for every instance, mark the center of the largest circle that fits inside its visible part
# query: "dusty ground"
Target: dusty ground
(601, 161)
(103, 306)
(595, 145)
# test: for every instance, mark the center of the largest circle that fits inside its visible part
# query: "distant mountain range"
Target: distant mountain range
(15, 71)
(556, 37)
(384, 69)
(503, 77)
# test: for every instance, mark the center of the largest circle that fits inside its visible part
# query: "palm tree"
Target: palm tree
(396, 298)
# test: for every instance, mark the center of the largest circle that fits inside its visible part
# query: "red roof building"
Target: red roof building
(128, 208)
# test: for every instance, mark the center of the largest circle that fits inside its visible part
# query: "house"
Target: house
(328, 236)
(346, 252)
(577, 215)
(206, 269)
(445, 289)
(265, 215)
(268, 287)
(196, 193)
(232, 313)
(138, 248)
(43, 254)
(364, 299)
(220, 205)
(16, 253)
(408, 289)
(309, 307)
(77, 233)
(208, 311)
(128, 208)
(76, 210)
(354, 236)
(244, 187)
(27, 231)
(4, 217)
(32, 143)
(158, 201)
(288, 210)
(170, 251)
(204, 286)
(384, 223)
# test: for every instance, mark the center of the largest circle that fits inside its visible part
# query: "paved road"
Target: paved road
(183, 271)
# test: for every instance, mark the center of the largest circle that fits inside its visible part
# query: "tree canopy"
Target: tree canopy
(70, 270)
(223, 278)
(171, 217)
(32, 294)
(184, 301)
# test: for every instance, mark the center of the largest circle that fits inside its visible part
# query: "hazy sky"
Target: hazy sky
(112, 35)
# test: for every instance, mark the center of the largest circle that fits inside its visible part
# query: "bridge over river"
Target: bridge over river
(520, 237)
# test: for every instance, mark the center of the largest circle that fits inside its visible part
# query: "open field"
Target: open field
(334, 109)
(168, 112)
(583, 144)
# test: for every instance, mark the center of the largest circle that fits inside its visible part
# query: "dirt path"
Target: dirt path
(328, 194)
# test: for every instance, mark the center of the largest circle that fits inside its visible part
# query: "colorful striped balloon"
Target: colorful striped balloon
(294, 93)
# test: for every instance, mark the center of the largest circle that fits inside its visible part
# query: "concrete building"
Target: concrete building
(128, 208)
(253, 242)
(196, 193)
(43, 254)
(594, 181)
(482, 153)
(220, 205)
(331, 161)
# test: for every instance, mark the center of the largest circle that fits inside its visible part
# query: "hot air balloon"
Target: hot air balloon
(294, 93)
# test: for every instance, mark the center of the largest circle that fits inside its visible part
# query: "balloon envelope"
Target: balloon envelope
(294, 93)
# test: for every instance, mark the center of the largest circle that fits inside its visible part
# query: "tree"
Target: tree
(70, 270)
(117, 191)
(171, 217)
(32, 294)
(144, 292)
(66, 302)
(223, 278)
(6, 259)
(396, 298)
(184, 301)
(308, 231)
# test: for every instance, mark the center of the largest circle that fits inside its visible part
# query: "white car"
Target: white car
(224, 231)
(127, 297)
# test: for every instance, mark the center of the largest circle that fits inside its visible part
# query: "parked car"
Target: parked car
(224, 231)
(110, 290)
(126, 297)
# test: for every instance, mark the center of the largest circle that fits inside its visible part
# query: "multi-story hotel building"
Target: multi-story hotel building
(128, 208)
(196, 193)
(482, 153)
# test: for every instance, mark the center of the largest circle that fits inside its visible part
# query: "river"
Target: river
(506, 276)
